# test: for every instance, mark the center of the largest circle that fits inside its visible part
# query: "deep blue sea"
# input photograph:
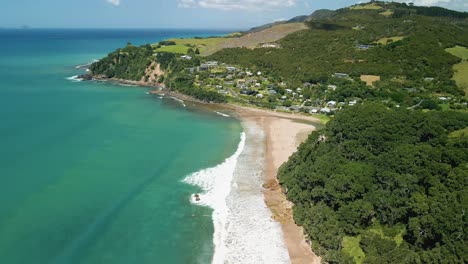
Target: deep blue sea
(92, 172)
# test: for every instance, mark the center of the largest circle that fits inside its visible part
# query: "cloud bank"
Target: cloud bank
(114, 2)
(237, 4)
(452, 4)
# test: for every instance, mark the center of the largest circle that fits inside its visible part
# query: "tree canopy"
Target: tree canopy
(394, 179)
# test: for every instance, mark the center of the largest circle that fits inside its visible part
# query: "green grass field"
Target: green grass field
(385, 41)
(352, 248)
(459, 51)
(174, 49)
(372, 6)
(461, 69)
(459, 133)
(182, 45)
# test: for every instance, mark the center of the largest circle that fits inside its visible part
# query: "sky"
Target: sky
(193, 14)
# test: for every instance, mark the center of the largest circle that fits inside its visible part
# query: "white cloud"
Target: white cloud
(429, 2)
(114, 2)
(461, 5)
(237, 4)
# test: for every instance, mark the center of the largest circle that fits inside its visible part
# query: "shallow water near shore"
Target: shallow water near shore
(92, 172)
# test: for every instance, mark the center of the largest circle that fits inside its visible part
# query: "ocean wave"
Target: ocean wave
(216, 185)
(74, 78)
(244, 229)
(178, 100)
(222, 114)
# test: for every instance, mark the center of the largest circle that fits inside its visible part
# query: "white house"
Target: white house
(288, 90)
(332, 87)
(325, 110)
(260, 96)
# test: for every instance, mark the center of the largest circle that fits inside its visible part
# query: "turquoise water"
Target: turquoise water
(91, 172)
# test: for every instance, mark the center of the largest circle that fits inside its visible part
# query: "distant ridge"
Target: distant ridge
(316, 15)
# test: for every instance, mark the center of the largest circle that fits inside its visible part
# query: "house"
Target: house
(284, 97)
(248, 92)
(314, 111)
(187, 57)
(299, 90)
(228, 83)
(428, 79)
(353, 102)
(258, 84)
(259, 73)
(282, 84)
(240, 81)
(249, 73)
(443, 98)
(212, 63)
(219, 87)
(203, 67)
(288, 90)
(331, 104)
(332, 87)
(271, 91)
(295, 108)
(222, 92)
(364, 46)
(212, 76)
(340, 75)
(270, 45)
(325, 110)
(260, 96)
(229, 77)
(306, 84)
(231, 69)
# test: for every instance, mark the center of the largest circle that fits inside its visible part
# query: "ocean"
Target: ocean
(94, 172)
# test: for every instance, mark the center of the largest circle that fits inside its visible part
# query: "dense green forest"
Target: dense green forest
(380, 185)
(129, 63)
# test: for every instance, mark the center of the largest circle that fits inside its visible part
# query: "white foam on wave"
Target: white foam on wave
(178, 100)
(216, 185)
(244, 229)
(222, 114)
(74, 78)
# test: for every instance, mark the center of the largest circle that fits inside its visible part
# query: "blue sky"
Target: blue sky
(229, 14)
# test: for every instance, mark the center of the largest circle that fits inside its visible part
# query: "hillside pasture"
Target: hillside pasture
(460, 69)
(208, 46)
(385, 41)
(182, 49)
(370, 79)
(372, 6)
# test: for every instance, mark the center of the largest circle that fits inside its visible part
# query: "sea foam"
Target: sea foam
(74, 78)
(244, 230)
(222, 114)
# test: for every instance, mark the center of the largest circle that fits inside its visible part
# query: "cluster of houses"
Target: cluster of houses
(244, 83)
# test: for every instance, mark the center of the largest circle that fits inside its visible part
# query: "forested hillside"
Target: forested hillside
(129, 63)
(383, 186)
(402, 44)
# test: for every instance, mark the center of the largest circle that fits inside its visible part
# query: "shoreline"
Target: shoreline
(282, 134)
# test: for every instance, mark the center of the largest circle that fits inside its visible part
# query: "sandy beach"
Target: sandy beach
(283, 134)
